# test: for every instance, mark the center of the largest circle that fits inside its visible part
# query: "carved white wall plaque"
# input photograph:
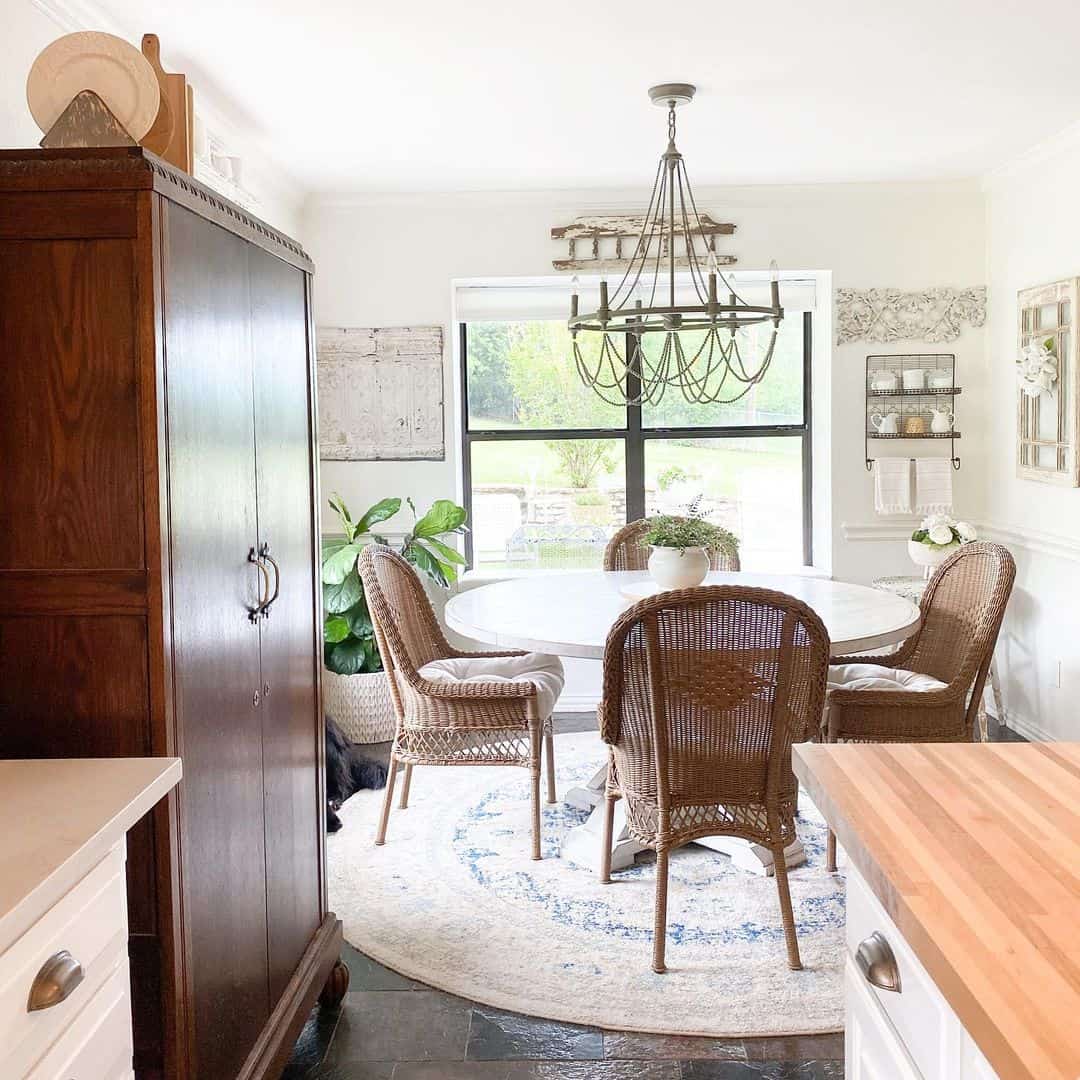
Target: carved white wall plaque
(381, 394)
(930, 315)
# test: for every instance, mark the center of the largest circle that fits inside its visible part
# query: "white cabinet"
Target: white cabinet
(65, 1012)
(898, 1024)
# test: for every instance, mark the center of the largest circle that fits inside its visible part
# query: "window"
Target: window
(551, 471)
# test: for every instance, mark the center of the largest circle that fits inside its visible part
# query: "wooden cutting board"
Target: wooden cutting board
(172, 135)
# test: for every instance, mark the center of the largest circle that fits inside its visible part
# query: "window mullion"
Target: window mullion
(635, 445)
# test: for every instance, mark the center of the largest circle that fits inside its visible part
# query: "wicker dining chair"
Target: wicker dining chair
(625, 550)
(705, 690)
(962, 609)
(447, 723)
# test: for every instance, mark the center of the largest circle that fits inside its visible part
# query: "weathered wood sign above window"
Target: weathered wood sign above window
(601, 242)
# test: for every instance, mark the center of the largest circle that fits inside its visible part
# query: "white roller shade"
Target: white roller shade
(521, 299)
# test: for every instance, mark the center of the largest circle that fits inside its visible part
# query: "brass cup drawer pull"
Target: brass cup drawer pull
(877, 962)
(55, 982)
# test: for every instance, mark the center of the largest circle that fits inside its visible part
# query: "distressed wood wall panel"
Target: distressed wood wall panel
(381, 393)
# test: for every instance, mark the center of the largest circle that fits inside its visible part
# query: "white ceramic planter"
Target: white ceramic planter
(928, 557)
(361, 705)
(675, 568)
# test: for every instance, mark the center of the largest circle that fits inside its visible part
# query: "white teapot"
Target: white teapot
(887, 423)
(941, 421)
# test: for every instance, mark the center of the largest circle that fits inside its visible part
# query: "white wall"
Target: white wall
(1033, 223)
(391, 262)
(27, 27)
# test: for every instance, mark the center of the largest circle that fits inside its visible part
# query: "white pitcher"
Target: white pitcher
(887, 424)
(941, 421)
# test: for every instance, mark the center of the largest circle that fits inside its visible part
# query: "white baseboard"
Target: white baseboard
(1030, 729)
(577, 703)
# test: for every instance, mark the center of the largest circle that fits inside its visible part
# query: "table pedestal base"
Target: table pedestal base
(582, 845)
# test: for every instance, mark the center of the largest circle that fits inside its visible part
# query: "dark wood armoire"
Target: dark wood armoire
(158, 577)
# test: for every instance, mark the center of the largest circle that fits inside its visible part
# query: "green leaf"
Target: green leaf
(337, 599)
(359, 620)
(336, 628)
(444, 516)
(448, 553)
(337, 504)
(347, 658)
(424, 560)
(337, 567)
(386, 508)
(332, 544)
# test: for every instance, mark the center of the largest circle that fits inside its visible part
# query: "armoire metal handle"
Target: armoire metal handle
(877, 962)
(257, 612)
(55, 982)
(264, 552)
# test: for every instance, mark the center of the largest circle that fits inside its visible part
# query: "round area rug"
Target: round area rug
(454, 900)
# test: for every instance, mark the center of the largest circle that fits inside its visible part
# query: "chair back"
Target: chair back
(406, 628)
(625, 551)
(706, 689)
(962, 609)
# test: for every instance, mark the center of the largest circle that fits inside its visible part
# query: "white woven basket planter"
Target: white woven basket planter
(361, 705)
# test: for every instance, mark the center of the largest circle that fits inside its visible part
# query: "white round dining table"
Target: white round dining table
(570, 614)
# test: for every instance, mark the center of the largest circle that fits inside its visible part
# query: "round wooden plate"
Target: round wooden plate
(117, 72)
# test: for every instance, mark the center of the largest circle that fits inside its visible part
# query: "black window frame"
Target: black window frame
(634, 436)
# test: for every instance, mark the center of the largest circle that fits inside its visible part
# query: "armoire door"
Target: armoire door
(291, 724)
(217, 684)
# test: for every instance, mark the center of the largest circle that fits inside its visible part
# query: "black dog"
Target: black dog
(347, 771)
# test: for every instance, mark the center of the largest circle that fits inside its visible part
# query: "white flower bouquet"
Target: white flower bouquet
(942, 530)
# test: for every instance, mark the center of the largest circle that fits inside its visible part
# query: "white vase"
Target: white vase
(928, 557)
(361, 705)
(678, 568)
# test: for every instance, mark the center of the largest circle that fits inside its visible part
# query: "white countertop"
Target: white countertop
(570, 614)
(59, 817)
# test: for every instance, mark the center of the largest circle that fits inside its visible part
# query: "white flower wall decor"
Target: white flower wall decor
(1036, 368)
(1046, 368)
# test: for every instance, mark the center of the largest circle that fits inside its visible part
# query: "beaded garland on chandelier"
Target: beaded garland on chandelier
(714, 371)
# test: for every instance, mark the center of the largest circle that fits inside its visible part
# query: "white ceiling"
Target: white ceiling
(431, 95)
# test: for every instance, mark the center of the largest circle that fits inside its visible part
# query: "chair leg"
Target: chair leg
(388, 798)
(605, 850)
(406, 784)
(660, 921)
(786, 911)
(830, 852)
(534, 771)
(549, 750)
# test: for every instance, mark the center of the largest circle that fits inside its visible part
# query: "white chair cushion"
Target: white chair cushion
(545, 672)
(876, 677)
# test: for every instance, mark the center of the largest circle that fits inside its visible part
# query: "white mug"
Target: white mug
(940, 379)
(887, 424)
(941, 421)
(883, 380)
(915, 379)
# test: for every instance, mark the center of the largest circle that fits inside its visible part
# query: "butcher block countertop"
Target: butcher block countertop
(974, 851)
(59, 818)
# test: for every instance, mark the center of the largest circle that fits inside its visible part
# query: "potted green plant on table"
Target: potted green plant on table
(681, 548)
(355, 690)
(936, 539)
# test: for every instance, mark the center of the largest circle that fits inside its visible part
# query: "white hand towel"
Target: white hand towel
(892, 485)
(933, 485)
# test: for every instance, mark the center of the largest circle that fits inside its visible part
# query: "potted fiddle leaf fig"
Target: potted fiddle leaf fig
(355, 689)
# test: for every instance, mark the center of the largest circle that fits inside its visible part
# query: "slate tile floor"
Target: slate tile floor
(392, 1028)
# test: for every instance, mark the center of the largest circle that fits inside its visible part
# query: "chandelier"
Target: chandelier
(639, 350)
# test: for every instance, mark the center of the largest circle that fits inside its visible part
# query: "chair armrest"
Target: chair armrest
(881, 661)
(475, 691)
(895, 699)
(466, 654)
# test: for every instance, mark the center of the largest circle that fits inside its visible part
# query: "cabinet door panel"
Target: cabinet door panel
(291, 725)
(211, 467)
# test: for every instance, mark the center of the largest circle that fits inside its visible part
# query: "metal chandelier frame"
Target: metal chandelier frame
(716, 371)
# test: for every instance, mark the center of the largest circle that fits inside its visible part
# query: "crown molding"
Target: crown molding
(1042, 152)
